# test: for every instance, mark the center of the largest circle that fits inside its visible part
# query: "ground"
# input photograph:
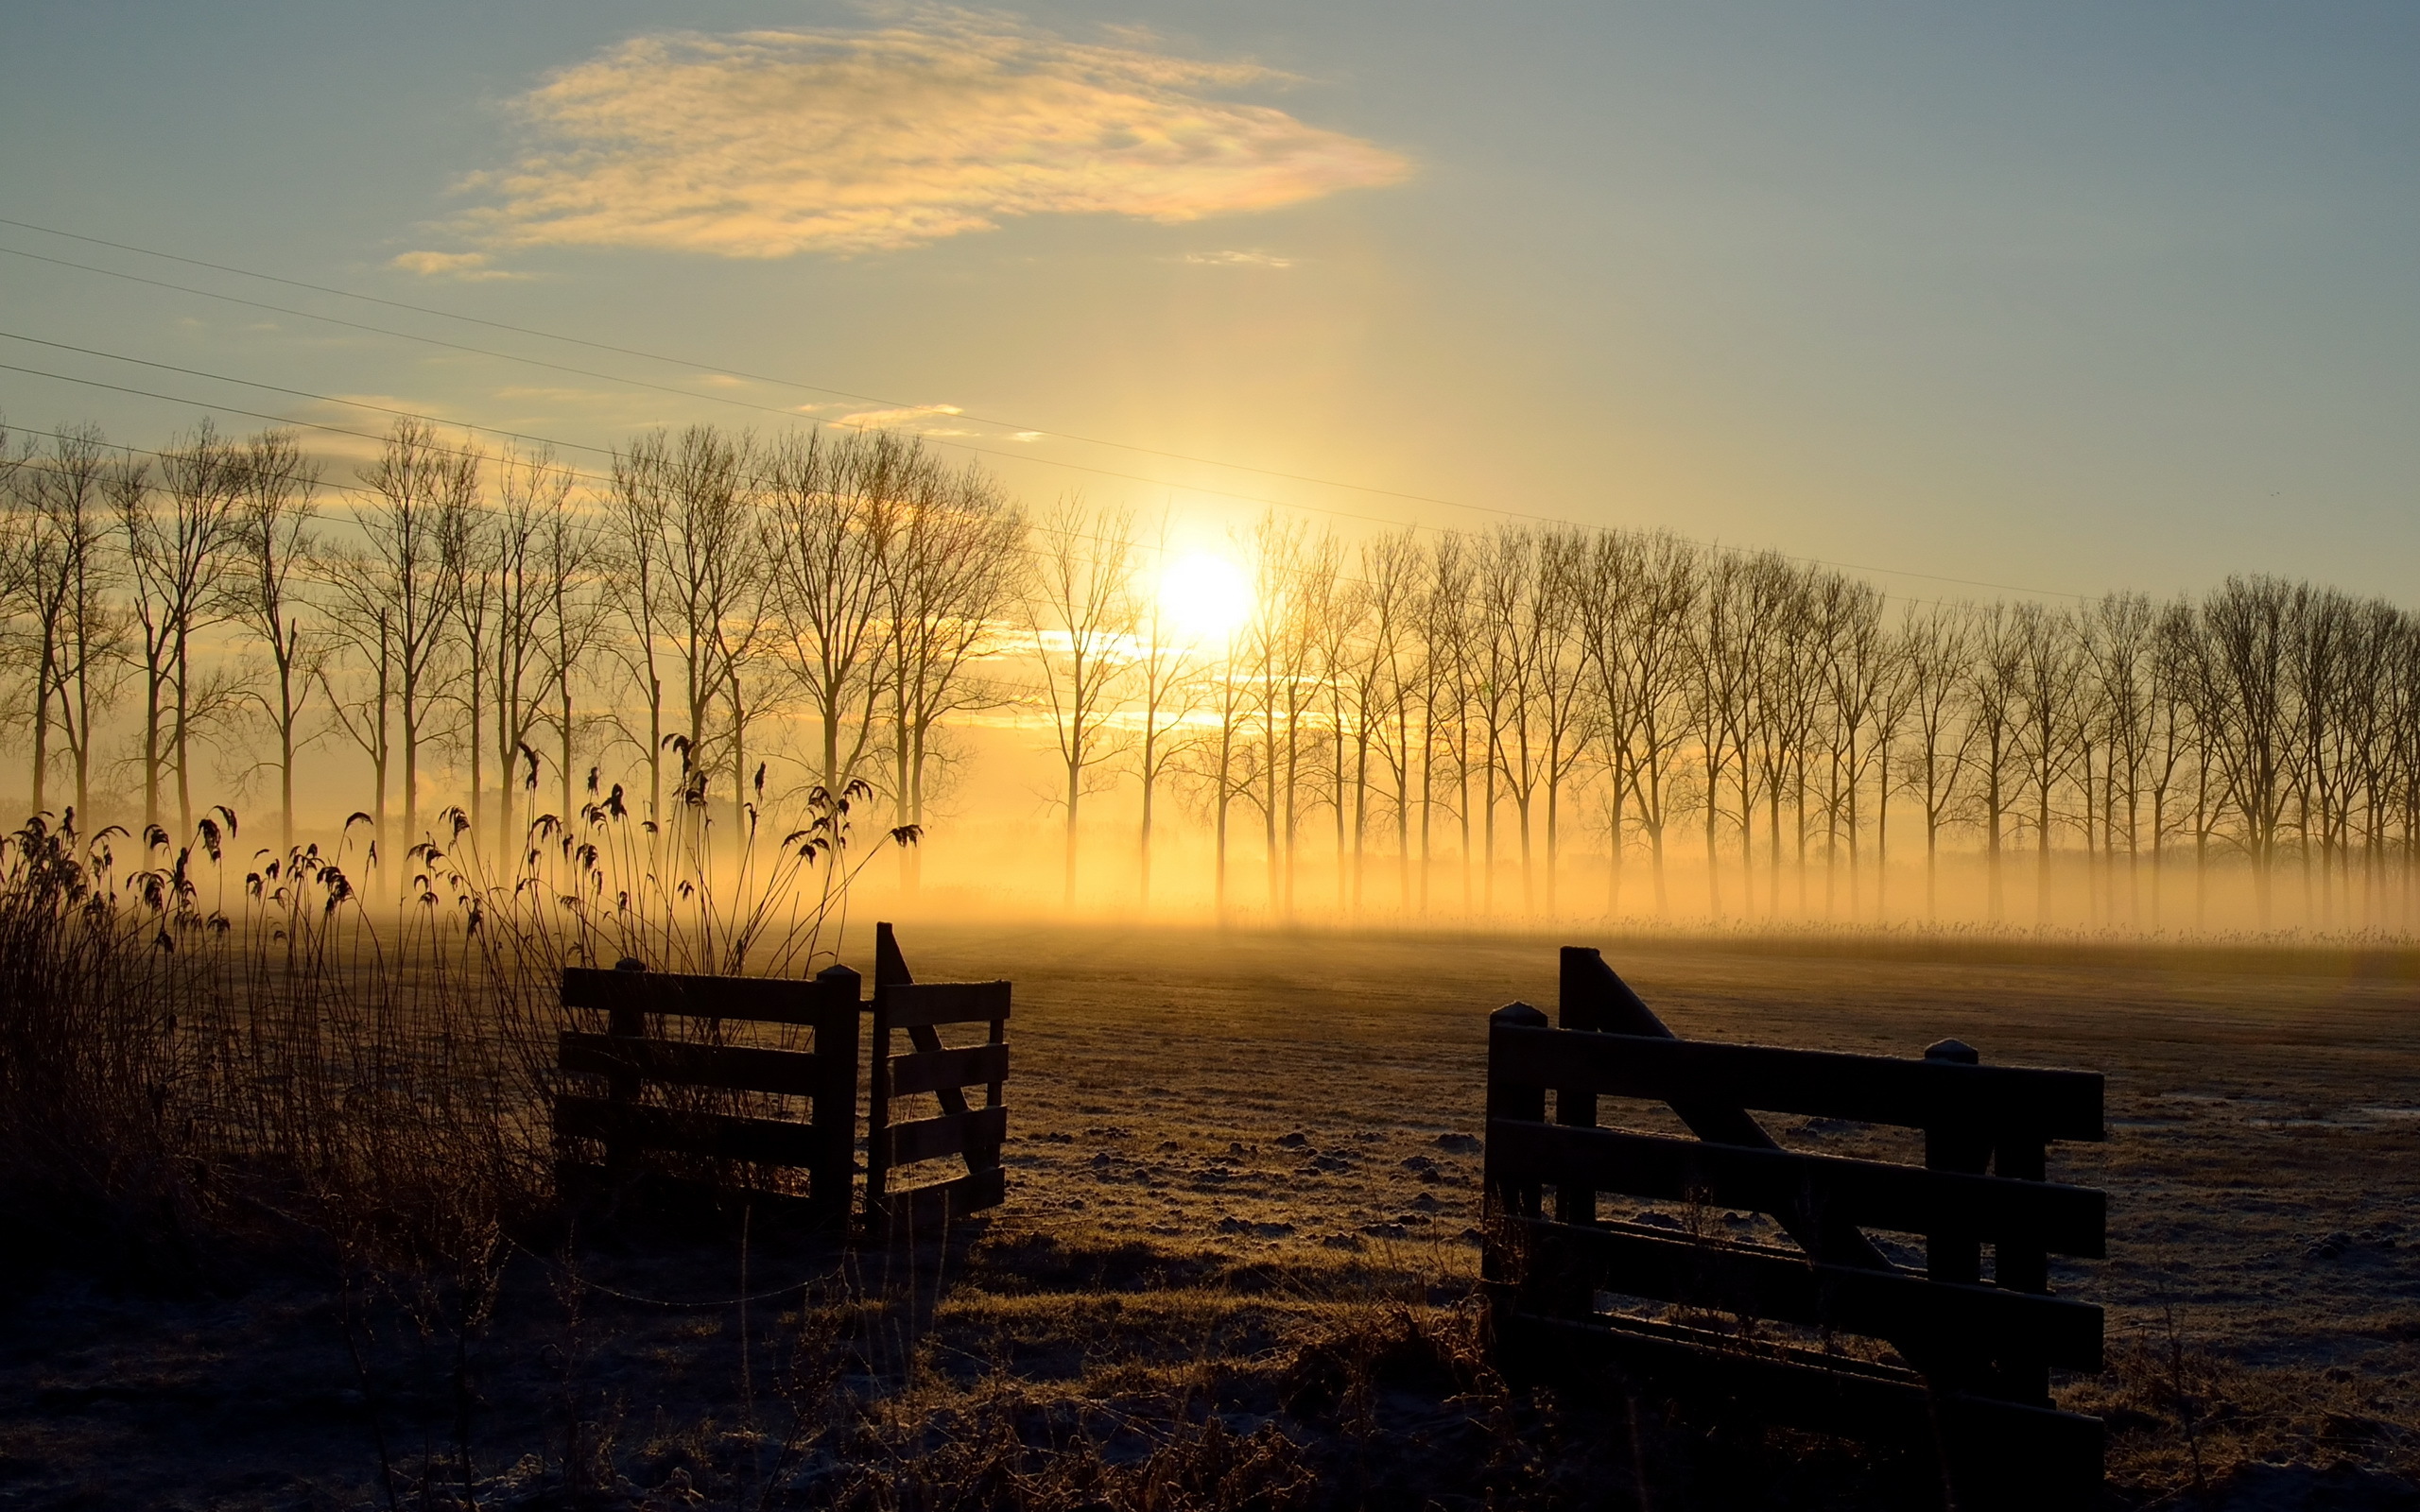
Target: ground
(1235, 1263)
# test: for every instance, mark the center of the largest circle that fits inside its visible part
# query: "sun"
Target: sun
(1205, 597)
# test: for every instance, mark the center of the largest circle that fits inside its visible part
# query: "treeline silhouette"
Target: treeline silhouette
(722, 621)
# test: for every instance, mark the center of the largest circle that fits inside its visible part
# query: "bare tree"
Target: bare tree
(1447, 629)
(2173, 734)
(1224, 757)
(1866, 707)
(1996, 682)
(65, 577)
(470, 561)
(1640, 603)
(833, 514)
(1081, 614)
(276, 488)
(2048, 725)
(1566, 718)
(954, 575)
(2239, 686)
(26, 633)
(1938, 648)
(178, 537)
(1506, 687)
(395, 607)
(706, 601)
(1298, 576)
(2124, 627)
(632, 554)
(1168, 684)
(1377, 673)
(532, 495)
(571, 614)
(1719, 696)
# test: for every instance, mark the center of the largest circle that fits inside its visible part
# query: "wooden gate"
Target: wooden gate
(676, 1082)
(974, 1134)
(1756, 1325)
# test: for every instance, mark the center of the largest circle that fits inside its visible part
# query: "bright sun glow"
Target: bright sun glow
(1208, 597)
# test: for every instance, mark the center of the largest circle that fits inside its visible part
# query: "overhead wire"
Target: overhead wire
(593, 479)
(1029, 458)
(1043, 527)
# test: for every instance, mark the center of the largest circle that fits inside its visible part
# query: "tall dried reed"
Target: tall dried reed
(328, 1043)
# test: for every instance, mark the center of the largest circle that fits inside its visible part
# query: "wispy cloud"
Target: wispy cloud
(1236, 259)
(464, 268)
(909, 416)
(765, 144)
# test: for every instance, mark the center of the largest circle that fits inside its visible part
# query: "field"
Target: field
(1235, 1263)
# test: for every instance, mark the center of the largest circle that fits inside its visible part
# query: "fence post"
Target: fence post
(878, 1108)
(1503, 1256)
(2022, 1269)
(1953, 1148)
(1576, 1008)
(623, 1021)
(835, 1101)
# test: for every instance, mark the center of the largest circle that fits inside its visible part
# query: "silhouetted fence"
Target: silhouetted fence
(974, 1134)
(1756, 1325)
(687, 1099)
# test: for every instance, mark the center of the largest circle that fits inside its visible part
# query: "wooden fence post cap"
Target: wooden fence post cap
(837, 972)
(1519, 1015)
(1955, 1051)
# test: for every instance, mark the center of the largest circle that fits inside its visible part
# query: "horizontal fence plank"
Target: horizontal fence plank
(1938, 1318)
(926, 1070)
(739, 1067)
(924, 1210)
(2002, 1455)
(951, 1134)
(917, 1005)
(2060, 1104)
(716, 1136)
(2062, 1219)
(763, 999)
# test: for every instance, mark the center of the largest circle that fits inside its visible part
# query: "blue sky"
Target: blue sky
(2067, 296)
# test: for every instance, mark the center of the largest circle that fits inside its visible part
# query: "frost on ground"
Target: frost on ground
(1235, 1269)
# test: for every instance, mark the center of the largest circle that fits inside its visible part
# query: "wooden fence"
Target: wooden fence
(1756, 1325)
(679, 1082)
(667, 1087)
(973, 1134)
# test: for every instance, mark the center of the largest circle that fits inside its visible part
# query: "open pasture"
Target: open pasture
(1235, 1265)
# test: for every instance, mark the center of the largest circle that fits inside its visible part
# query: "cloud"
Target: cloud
(1234, 259)
(766, 144)
(883, 420)
(467, 268)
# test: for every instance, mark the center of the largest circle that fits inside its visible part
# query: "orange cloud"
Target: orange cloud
(766, 144)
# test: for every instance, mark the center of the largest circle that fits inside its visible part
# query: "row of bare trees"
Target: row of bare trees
(1463, 723)
(1610, 687)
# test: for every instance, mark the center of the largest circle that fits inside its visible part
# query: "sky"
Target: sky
(2053, 297)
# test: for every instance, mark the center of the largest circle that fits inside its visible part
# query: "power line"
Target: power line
(574, 472)
(703, 367)
(791, 412)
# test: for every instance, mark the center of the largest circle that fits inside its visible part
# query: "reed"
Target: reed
(193, 1047)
